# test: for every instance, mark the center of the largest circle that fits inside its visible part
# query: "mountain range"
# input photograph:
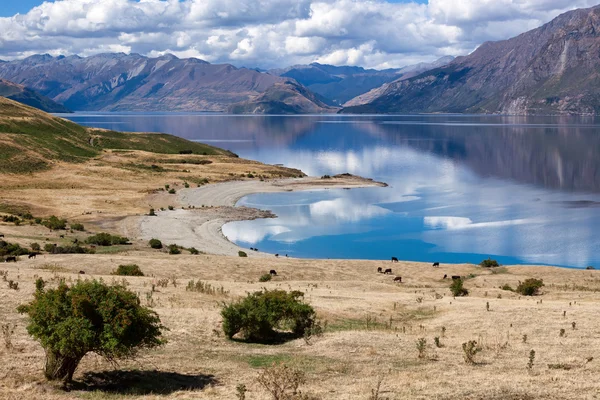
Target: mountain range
(554, 69)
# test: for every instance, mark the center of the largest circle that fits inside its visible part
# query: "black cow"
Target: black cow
(456, 277)
(388, 271)
(1, 235)
(273, 272)
(11, 258)
(277, 255)
(62, 236)
(436, 264)
(32, 255)
(251, 248)
(255, 249)
(445, 276)
(398, 279)
(379, 269)
(394, 259)
(81, 272)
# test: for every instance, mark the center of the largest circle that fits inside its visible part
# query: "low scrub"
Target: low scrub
(242, 254)
(54, 223)
(155, 244)
(262, 316)
(78, 227)
(530, 287)
(68, 249)
(106, 239)
(11, 249)
(128, 270)
(265, 278)
(457, 288)
(205, 288)
(174, 249)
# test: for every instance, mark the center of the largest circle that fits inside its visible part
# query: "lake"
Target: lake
(461, 187)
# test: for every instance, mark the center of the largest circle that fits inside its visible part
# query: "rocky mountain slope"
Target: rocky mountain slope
(554, 69)
(29, 97)
(343, 83)
(287, 97)
(111, 82)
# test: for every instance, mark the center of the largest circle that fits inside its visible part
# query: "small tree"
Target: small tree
(489, 263)
(77, 227)
(530, 287)
(457, 288)
(129, 270)
(89, 316)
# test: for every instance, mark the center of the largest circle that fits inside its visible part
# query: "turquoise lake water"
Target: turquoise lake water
(461, 188)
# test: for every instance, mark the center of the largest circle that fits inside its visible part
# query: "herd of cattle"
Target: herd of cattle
(388, 271)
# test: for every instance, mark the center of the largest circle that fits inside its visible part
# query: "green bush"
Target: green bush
(106, 239)
(90, 316)
(11, 249)
(152, 213)
(506, 286)
(155, 244)
(172, 191)
(457, 288)
(530, 287)
(263, 315)
(128, 270)
(35, 246)
(54, 223)
(489, 263)
(193, 251)
(265, 278)
(78, 227)
(171, 208)
(242, 254)
(174, 249)
(69, 249)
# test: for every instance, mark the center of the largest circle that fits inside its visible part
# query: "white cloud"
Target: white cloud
(271, 33)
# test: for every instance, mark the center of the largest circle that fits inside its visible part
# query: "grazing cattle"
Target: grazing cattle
(81, 272)
(1, 235)
(286, 255)
(273, 272)
(436, 264)
(255, 249)
(379, 269)
(445, 276)
(11, 258)
(31, 255)
(251, 248)
(455, 277)
(277, 255)
(394, 259)
(62, 236)
(388, 271)
(398, 279)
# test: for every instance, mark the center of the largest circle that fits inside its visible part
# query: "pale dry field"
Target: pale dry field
(349, 359)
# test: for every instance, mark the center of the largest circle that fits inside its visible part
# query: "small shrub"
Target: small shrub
(90, 316)
(171, 208)
(562, 332)
(193, 251)
(260, 315)
(457, 288)
(173, 249)
(186, 185)
(8, 331)
(506, 286)
(265, 278)
(281, 381)
(437, 342)
(206, 288)
(326, 177)
(470, 350)
(422, 347)
(128, 270)
(54, 223)
(155, 244)
(78, 227)
(531, 359)
(172, 191)
(530, 287)
(35, 247)
(489, 263)
(240, 391)
(242, 254)
(152, 213)
(106, 239)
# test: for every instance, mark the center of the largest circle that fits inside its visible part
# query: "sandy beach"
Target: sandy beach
(201, 212)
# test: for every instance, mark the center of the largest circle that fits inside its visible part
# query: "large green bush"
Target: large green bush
(11, 249)
(489, 263)
(155, 244)
(54, 223)
(530, 287)
(90, 316)
(263, 315)
(106, 239)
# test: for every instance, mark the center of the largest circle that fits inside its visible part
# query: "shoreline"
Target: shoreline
(201, 212)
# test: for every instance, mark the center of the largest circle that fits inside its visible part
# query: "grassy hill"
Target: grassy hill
(31, 140)
(29, 97)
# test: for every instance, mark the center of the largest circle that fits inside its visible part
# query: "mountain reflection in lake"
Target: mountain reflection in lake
(521, 189)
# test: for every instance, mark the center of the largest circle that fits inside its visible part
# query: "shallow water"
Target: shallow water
(461, 188)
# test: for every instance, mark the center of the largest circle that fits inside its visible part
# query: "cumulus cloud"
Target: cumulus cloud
(274, 33)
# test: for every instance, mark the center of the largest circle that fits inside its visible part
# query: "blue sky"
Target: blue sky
(271, 33)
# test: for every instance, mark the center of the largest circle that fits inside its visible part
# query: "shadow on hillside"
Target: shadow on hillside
(277, 339)
(143, 382)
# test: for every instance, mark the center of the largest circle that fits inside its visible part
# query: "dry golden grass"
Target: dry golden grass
(348, 360)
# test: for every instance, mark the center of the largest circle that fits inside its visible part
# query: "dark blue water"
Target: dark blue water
(461, 188)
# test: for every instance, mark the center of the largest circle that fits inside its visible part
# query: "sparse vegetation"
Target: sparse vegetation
(242, 254)
(78, 227)
(155, 244)
(422, 347)
(470, 350)
(174, 249)
(206, 288)
(106, 239)
(71, 321)
(457, 288)
(265, 278)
